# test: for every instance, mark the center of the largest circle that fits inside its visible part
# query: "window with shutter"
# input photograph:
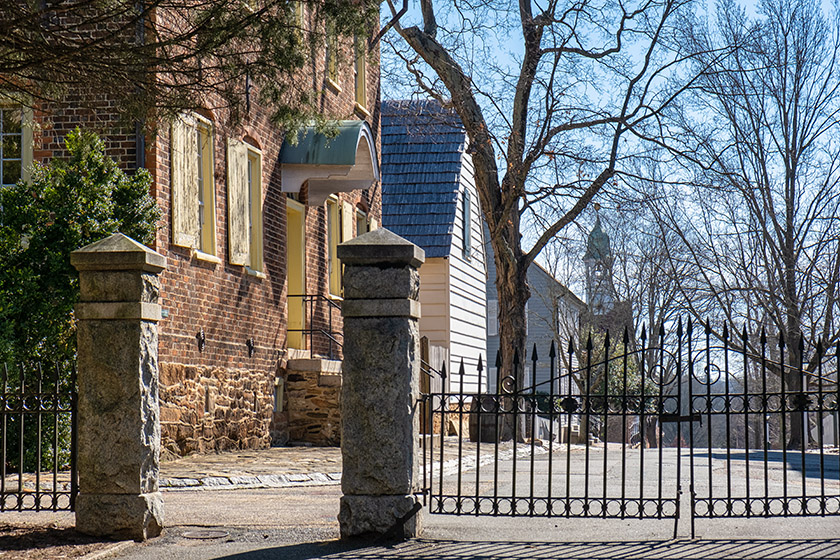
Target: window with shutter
(206, 187)
(360, 72)
(362, 223)
(239, 243)
(184, 182)
(333, 239)
(348, 219)
(331, 49)
(255, 235)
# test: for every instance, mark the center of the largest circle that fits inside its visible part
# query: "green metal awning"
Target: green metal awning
(329, 165)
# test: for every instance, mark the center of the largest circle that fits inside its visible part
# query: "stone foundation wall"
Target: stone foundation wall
(313, 392)
(206, 409)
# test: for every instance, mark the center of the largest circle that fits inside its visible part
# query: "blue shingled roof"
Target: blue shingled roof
(421, 167)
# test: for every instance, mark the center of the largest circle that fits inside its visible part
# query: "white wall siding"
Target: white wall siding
(468, 291)
(434, 302)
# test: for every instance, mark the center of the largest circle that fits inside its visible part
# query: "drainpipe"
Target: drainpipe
(139, 135)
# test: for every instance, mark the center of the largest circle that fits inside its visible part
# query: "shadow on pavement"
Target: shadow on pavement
(42, 543)
(421, 549)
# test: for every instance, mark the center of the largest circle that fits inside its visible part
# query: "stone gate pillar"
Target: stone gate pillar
(119, 420)
(380, 386)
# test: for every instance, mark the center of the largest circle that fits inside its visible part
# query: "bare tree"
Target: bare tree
(545, 127)
(760, 224)
(159, 56)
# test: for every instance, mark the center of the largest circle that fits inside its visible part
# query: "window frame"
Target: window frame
(492, 317)
(26, 140)
(206, 187)
(254, 206)
(333, 227)
(362, 218)
(331, 55)
(360, 74)
(466, 226)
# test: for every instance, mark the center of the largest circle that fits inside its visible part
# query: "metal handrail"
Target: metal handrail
(426, 368)
(310, 329)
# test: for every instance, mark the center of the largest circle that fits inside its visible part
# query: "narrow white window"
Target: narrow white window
(492, 317)
(467, 225)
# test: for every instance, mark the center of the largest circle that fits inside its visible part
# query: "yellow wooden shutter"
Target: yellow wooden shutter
(184, 181)
(238, 218)
(373, 224)
(347, 221)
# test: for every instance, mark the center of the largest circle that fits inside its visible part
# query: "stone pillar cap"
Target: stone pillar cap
(117, 252)
(381, 246)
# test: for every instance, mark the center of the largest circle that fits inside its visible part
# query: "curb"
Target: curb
(250, 482)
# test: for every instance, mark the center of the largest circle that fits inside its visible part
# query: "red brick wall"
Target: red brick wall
(53, 121)
(232, 306)
(221, 398)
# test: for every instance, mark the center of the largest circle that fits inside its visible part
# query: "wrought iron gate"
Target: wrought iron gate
(37, 439)
(622, 429)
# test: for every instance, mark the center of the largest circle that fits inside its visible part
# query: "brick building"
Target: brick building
(251, 333)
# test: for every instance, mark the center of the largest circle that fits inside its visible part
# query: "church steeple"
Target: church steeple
(599, 262)
(598, 245)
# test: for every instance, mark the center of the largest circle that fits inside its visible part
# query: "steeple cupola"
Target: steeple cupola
(600, 292)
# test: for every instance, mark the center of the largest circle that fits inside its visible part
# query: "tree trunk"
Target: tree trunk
(513, 291)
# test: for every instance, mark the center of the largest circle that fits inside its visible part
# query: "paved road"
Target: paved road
(299, 523)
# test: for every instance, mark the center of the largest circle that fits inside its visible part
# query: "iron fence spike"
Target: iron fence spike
(534, 357)
(551, 352)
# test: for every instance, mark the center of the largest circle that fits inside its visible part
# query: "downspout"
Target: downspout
(139, 125)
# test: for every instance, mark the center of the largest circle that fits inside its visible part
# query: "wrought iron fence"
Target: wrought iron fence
(38, 438)
(748, 427)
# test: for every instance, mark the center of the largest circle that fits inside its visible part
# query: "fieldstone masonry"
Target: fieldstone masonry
(380, 415)
(313, 389)
(119, 428)
(210, 409)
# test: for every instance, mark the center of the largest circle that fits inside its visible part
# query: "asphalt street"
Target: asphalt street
(300, 523)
